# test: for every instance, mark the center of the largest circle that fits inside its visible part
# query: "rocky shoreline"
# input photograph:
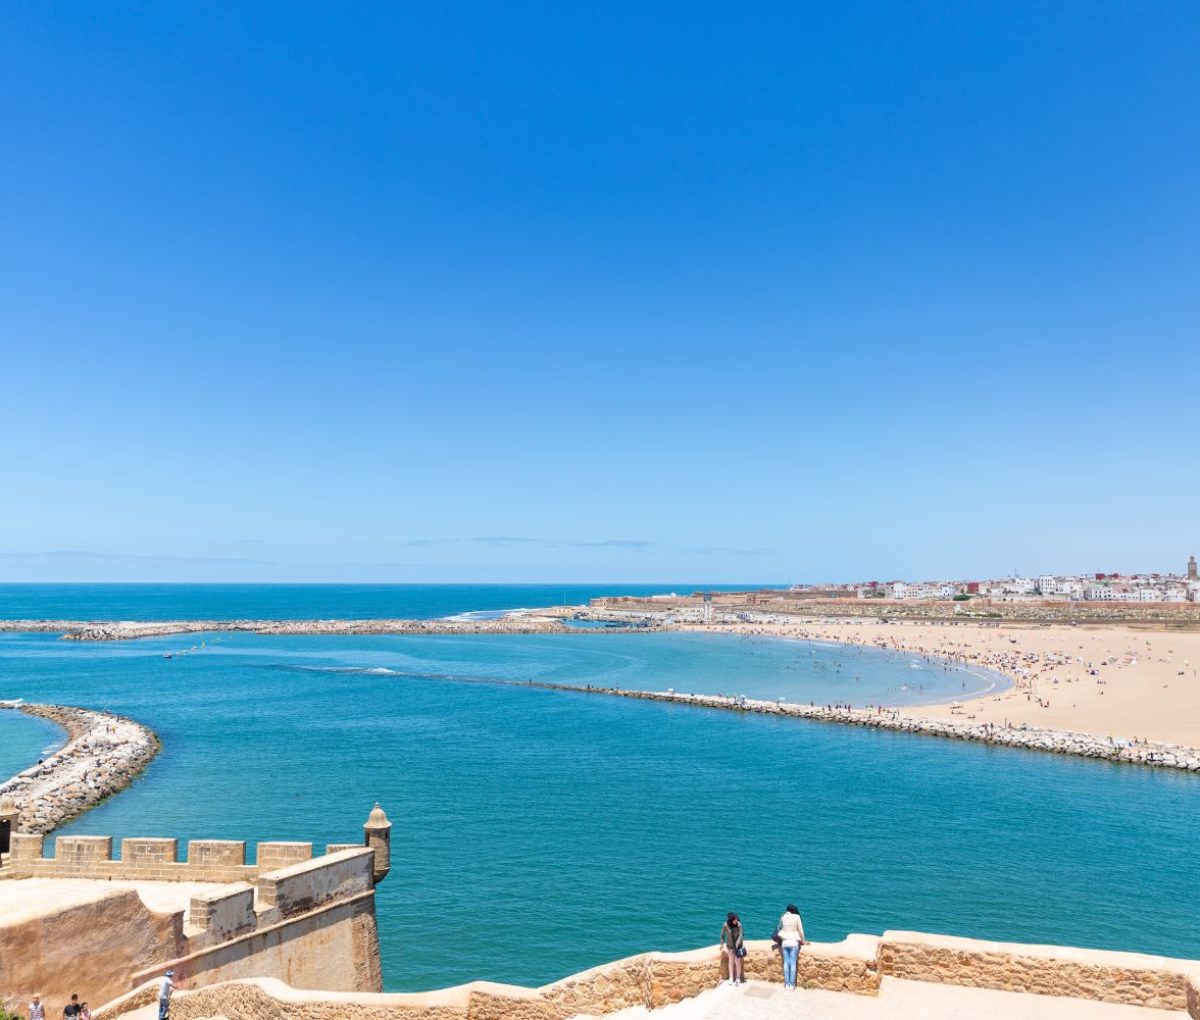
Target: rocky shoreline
(1030, 738)
(104, 753)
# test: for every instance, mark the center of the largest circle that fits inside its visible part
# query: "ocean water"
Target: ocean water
(537, 833)
(302, 601)
(23, 740)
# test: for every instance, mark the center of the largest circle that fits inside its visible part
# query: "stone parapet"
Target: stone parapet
(310, 884)
(224, 913)
(855, 965)
(1131, 978)
(154, 859)
(271, 856)
(650, 979)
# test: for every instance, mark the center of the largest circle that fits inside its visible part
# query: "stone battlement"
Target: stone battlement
(154, 859)
(210, 917)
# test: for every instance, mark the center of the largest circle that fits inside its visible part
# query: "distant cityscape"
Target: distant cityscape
(1097, 587)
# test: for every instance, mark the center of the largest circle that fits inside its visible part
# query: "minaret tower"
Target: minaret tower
(1192, 568)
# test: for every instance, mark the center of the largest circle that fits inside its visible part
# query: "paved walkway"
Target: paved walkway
(898, 1000)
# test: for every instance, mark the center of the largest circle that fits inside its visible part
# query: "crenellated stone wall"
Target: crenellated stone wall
(154, 859)
(211, 918)
(856, 965)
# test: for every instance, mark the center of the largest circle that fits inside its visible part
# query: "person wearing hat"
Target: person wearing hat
(165, 988)
(37, 1010)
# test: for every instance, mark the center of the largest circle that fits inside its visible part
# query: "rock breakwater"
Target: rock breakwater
(102, 756)
(1030, 738)
(81, 630)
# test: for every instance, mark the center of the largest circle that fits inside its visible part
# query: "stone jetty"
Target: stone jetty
(80, 630)
(102, 756)
(1030, 738)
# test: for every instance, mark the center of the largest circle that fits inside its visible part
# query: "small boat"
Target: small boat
(166, 655)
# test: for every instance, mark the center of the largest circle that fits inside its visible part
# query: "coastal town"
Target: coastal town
(1096, 587)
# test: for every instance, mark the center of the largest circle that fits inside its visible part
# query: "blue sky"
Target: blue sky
(771, 292)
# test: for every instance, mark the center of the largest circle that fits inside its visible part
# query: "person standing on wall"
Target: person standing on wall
(733, 945)
(790, 936)
(165, 988)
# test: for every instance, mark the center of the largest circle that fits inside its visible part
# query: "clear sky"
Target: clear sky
(623, 291)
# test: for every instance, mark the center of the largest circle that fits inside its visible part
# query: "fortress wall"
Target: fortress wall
(657, 979)
(651, 979)
(91, 948)
(152, 859)
(311, 922)
(224, 913)
(1130, 978)
(302, 887)
(334, 947)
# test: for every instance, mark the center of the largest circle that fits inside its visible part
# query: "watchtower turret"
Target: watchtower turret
(378, 836)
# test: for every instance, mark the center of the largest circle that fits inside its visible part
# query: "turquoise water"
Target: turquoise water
(538, 832)
(23, 740)
(301, 601)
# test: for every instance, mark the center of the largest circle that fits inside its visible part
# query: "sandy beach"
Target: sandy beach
(1118, 682)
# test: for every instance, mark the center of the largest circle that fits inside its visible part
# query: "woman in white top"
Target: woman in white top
(790, 934)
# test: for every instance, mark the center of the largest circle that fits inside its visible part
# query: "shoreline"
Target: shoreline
(102, 756)
(1109, 681)
(1068, 690)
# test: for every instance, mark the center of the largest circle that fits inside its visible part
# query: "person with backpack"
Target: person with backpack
(733, 946)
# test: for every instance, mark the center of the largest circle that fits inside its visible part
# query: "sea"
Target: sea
(538, 832)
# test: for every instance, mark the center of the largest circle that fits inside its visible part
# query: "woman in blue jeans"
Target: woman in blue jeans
(790, 935)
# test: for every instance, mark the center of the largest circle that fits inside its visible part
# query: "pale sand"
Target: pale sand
(1148, 685)
(897, 1000)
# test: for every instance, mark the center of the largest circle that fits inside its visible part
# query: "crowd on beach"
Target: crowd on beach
(1037, 675)
(787, 939)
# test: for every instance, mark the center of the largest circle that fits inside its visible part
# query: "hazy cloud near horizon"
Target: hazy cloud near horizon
(478, 558)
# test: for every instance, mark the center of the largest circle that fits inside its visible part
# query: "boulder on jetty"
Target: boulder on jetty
(1030, 738)
(103, 754)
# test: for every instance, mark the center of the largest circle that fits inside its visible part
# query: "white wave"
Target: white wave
(477, 615)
